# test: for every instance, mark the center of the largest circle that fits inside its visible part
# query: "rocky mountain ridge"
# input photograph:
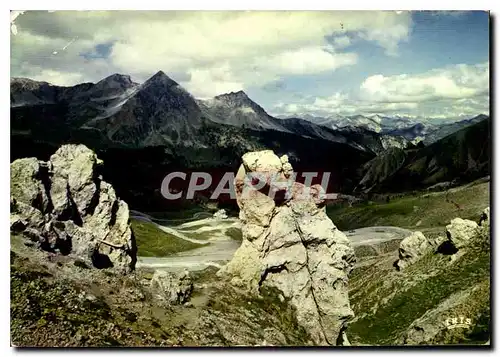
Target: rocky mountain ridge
(163, 127)
(119, 112)
(462, 156)
(397, 127)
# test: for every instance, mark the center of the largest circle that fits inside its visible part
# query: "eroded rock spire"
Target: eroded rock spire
(291, 244)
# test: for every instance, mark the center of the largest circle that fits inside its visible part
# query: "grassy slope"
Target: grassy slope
(232, 232)
(235, 233)
(153, 242)
(58, 303)
(425, 212)
(184, 214)
(386, 302)
(382, 166)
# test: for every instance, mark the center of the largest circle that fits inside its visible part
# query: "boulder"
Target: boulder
(460, 231)
(173, 288)
(26, 184)
(289, 243)
(66, 207)
(220, 214)
(411, 249)
(261, 161)
(75, 184)
(286, 166)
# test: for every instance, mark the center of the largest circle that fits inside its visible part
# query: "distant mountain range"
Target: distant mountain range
(461, 156)
(119, 112)
(144, 130)
(412, 129)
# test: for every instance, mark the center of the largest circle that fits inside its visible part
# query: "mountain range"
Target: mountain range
(145, 130)
(412, 129)
(461, 157)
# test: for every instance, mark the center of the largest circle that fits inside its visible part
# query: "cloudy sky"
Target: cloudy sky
(429, 64)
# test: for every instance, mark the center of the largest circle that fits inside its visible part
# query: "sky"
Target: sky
(424, 64)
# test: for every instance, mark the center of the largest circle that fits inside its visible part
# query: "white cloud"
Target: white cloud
(205, 82)
(341, 42)
(13, 16)
(388, 39)
(58, 78)
(305, 61)
(254, 47)
(211, 53)
(454, 82)
(451, 92)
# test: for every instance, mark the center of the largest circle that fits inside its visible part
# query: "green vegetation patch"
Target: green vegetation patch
(232, 232)
(265, 310)
(477, 308)
(153, 242)
(235, 233)
(421, 287)
(183, 214)
(48, 313)
(427, 210)
(198, 235)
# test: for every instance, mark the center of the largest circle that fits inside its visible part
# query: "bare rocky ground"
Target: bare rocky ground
(412, 306)
(60, 301)
(74, 281)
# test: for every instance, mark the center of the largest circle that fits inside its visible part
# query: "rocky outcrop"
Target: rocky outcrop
(286, 166)
(411, 249)
(173, 288)
(460, 231)
(289, 243)
(64, 206)
(220, 214)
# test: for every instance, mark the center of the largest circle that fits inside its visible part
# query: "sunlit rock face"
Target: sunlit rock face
(290, 243)
(64, 206)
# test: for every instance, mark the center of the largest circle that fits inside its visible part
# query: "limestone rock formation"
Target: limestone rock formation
(220, 214)
(290, 243)
(27, 186)
(411, 249)
(460, 231)
(287, 167)
(173, 288)
(65, 206)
